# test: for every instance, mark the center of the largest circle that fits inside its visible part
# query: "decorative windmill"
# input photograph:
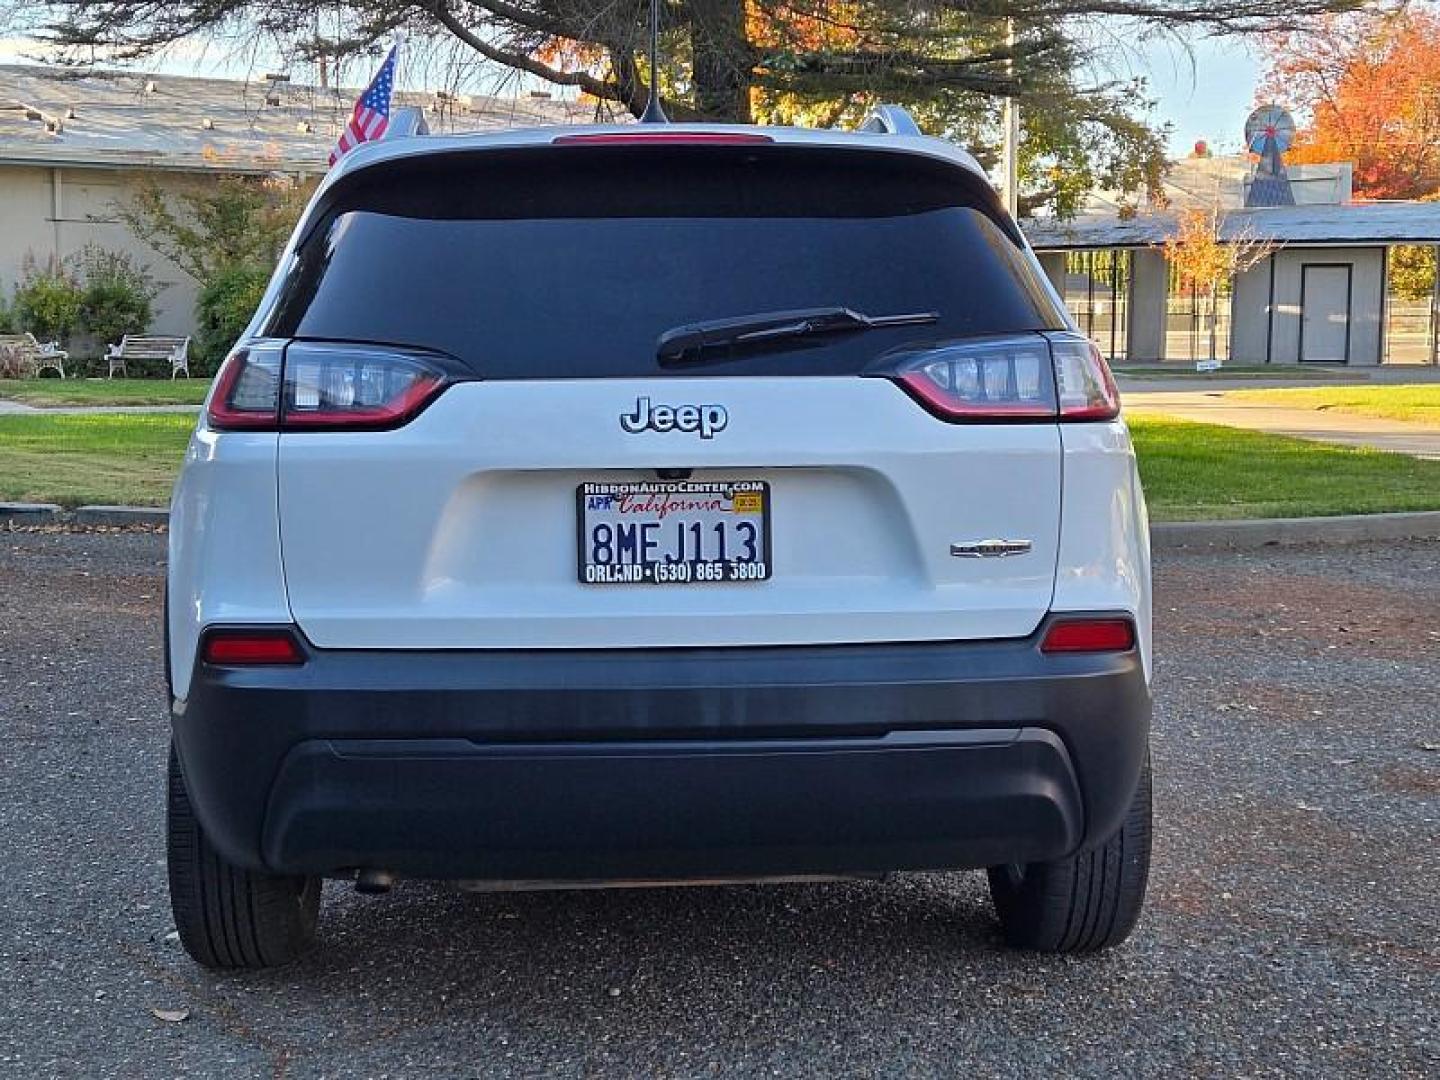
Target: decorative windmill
(1269, 132)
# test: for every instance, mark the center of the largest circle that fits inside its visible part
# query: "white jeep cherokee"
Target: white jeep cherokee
(662, 504)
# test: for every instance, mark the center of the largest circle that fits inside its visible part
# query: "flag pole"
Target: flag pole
(397, 40)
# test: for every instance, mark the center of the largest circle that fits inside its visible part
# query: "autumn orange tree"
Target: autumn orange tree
(1205, 254)
(1369, 83)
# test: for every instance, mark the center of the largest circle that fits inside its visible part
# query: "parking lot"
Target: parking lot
(1293, 924)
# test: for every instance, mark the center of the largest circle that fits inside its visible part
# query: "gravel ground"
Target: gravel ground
(1292, 924)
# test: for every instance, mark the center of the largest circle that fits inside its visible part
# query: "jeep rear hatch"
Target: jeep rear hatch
(535, 285)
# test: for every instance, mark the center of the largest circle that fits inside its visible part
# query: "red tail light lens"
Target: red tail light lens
(359, 388)
(249, 648)
(1029, 377)
(1083, 380)
(1089, 635)
(246, 396)
(305, 386)
(990, 379)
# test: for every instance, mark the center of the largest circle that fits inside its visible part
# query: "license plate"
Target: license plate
(679, 532)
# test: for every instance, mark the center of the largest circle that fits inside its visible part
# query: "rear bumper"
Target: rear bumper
(664, 763)
(450, 808)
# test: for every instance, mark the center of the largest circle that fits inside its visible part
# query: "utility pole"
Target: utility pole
(1435, 312)
(1011, 122)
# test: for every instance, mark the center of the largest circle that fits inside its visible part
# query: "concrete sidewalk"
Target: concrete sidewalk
(19, 408)
(1214, 407)
(1185, 379)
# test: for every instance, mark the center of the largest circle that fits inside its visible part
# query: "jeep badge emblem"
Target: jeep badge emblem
(989, 549)
(706, 419)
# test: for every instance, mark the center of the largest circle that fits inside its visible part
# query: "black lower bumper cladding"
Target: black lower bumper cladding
(665, 763)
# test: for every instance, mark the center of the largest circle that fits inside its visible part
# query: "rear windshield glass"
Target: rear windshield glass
(571, 262)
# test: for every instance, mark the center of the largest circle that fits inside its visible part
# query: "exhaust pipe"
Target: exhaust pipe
(374, 882)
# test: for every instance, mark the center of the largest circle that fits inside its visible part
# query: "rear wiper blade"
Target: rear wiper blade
(687, 344)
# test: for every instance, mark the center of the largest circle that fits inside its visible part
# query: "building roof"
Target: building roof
(81, 117)
(1349, 224)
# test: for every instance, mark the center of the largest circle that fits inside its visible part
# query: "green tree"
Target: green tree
(1412, 271)
(217, 223)
(116, 294)
(1075, 137)
(226, 233)
(47, 302)
(736, 60)
(222, 309)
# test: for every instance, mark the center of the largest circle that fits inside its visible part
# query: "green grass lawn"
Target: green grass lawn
(1194, 471)
(1418, 404)
(1191, 471)
(80, 459)
(50, 392)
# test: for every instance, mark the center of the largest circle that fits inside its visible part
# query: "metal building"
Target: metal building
(1349, 282)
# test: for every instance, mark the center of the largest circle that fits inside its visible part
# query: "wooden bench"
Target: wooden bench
(149, 347)
(33, 356)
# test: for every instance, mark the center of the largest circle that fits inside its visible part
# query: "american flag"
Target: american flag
(372, 110)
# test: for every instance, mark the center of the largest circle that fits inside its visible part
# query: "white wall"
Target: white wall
(30, 227)
(26, 224)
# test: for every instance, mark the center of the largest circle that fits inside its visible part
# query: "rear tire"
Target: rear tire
(229, 917)
(1091, 900)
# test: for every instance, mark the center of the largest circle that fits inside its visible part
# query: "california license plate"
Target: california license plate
(679, 532)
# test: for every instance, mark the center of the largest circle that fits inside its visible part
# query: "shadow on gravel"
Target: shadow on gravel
(591, 937)
(700, 965)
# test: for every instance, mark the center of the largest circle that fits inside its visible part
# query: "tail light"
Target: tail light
(1027, 377)
(251, 647)
(999, 379)
(1088, 635)
(307, 386)
(356, 388)
(1085, 387)
(246, 396)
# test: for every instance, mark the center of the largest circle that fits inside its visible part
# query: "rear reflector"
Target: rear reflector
(640, 138)
(1089, 635)
(237, 648)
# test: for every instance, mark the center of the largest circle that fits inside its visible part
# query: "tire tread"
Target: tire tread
(1088, 901)
(229, 917)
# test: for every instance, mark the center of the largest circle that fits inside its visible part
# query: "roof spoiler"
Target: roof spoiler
(405, 122)
(890, 120)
